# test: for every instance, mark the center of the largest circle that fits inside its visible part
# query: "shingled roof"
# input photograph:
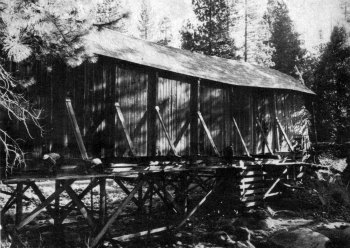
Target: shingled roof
(116, 45)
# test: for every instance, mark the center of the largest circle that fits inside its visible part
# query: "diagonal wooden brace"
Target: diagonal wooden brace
(171, 144)
(240, 137)
(43, 205)
(116, 214)
(12, 199)
(198, 205)
(125, 130)
(125, 189)
(92, 185)
(266, 142)
(267, 194)
(76, 129)
(84, 211)
(285, 135)
(206, 129)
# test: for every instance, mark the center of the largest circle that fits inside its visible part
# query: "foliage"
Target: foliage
(146, 25)
(211, 35)
(18, 108)
(248, 22)
(331, 84)
(52, 29)
(288, 54)
(164, 27)
(45, 30)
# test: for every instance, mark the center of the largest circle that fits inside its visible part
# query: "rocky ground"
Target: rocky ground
(316, 215)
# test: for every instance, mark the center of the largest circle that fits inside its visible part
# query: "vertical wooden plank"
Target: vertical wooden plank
(103, 208)
(57, 204)
(151, 114)
(19, 203)
(194, 108)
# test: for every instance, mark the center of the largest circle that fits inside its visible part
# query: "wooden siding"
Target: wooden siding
(173, 99)
(95, 88)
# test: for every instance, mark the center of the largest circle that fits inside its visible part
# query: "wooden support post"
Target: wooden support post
(41, 206)
(57, 204)
(171, 144)
(285, 135)
(206, 129)
(275, 128)
(91, 198)
(82, 208)
(116, 214)
(267, 194)
(266, 142)
(194, 108)
(125, 189)
(76, 129)
(240, 136)
(92, 184)
(125, 130)
(13, 199)
(19, 203)
(152, 93)
(103, 195)
(198, 205)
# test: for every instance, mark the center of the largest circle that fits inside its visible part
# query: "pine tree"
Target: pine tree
(146, 24)
(332, 87)
(42, 30)
(249, 25)
(211, 35)
(165, 32)
(288, 54)
(52, 28)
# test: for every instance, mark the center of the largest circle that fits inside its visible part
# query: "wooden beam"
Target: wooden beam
(275, 128)
(240, 137)
(115, 215)
(103, 199)
(284, 135)
(206, 129)
(82, 208)
(19, 203)
(182, 131)
(76, 129)
(275, 183)
(194, 108)
(68, 206)
(170, 142)
(266, 142)
(143, 233)
(12, 199)
(125, 189)
(152, 92)
(125, 130)
(41, 206)
(198, 205)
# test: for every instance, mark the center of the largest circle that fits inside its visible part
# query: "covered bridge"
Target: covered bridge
(140, 75)
(161, 118)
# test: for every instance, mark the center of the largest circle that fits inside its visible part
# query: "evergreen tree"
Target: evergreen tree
(288, 54)
(332, 86)
(252, 30)
(146, 24)
(48, 28)
(211, 35)
(42, 29)
(165, 33)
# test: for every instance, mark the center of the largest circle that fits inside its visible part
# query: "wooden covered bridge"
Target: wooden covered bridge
(164, 121)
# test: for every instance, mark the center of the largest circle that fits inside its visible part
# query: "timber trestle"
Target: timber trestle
(171, 184)
(176, 185)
